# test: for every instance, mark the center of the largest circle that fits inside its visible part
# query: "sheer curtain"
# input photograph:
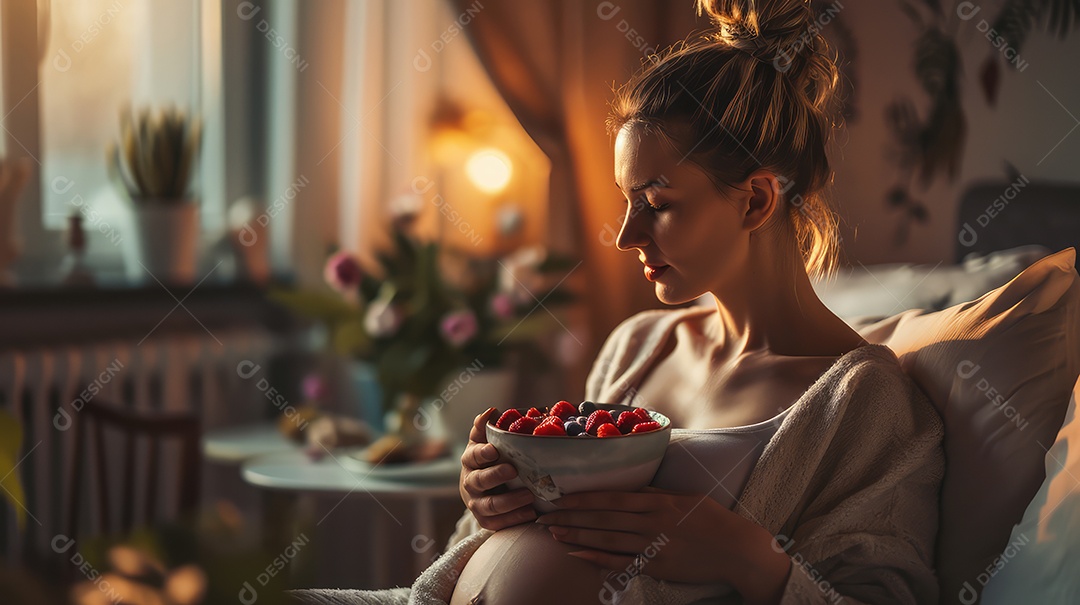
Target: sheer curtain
(555, 63)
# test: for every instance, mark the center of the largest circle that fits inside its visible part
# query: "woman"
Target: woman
(720, 150)
(805, 466)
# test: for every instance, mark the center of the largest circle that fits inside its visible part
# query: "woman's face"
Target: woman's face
(689, 236)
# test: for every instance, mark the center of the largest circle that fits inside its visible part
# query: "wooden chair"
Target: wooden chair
(156, 428)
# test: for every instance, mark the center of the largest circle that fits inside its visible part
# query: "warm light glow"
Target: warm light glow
(489, 169)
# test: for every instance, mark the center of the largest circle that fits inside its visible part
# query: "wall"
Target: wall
(1028, 127)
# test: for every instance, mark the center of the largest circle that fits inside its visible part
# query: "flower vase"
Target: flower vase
(450, 415)
(364, 395)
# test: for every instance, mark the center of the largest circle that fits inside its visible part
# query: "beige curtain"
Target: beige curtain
(555, 64)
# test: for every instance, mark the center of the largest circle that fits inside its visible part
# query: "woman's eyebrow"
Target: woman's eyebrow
(644, 185)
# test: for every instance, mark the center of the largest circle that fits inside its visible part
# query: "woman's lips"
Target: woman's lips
(654, 272)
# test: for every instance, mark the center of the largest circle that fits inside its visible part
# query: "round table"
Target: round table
(295, 472)
(236, 444)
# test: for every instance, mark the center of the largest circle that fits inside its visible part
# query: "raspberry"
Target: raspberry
(608, 430)
(643, 414)
(508, 417)
(535, 413)
(645, 427)
(563, 410)
(596, 419)
(551, 426)
(524, 425)
(627, 421)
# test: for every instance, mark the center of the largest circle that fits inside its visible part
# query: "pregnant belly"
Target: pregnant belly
(522, 565)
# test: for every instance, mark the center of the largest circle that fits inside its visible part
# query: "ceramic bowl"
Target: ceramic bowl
(551, 466)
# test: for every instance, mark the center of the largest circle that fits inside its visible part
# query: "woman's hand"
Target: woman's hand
(679, 537)
(482, 484)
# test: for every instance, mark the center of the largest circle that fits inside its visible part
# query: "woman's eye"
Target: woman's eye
(642, 203)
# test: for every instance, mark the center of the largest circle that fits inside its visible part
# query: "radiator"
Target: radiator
(43, 388)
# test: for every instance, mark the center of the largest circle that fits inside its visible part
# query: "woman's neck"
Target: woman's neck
(773, 308)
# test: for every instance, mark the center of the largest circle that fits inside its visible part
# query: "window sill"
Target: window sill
(44, 316)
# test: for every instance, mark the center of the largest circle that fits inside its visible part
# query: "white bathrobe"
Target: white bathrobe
(849, 484)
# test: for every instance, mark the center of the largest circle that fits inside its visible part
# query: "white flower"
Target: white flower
(518, 275)
(382, 319)
(405, 206)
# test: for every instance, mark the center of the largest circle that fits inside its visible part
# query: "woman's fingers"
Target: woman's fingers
(478, 434)
(500, 504)
(479, 455)
(614, 521)
(479, 481)
(514, 517)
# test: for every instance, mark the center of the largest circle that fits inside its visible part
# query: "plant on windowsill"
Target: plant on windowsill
(152, 164)
(425, 312)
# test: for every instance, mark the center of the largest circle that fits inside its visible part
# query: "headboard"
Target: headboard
(997, 215)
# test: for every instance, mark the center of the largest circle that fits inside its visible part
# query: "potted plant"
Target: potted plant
(153, 163)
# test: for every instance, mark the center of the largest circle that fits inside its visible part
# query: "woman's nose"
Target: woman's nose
(631, 235)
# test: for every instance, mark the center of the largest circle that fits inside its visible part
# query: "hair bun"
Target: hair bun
(762, 28)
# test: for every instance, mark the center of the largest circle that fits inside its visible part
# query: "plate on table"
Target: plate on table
(444, 468)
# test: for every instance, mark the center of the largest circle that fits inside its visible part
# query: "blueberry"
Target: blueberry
(582, 420)
(586, 408)
(573, 428)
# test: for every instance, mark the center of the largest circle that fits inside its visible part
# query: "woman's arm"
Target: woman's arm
(767, 569)
(866, 527)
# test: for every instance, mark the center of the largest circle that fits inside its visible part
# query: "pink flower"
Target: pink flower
(502, 305)
(459, 327)
(342, 271)
(314, 387)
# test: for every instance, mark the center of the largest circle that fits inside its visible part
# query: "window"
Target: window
(314, 110)
(101, 57)
(96, 58)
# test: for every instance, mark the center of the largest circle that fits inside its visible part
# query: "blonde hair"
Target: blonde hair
(759, 91)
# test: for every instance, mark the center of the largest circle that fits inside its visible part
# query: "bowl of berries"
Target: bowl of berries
(564, 448)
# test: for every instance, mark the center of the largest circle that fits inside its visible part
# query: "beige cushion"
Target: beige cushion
(1041, 563)
(877, 291)
(1000, 370)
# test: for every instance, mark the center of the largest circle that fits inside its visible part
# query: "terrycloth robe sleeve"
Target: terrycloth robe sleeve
(865, 530)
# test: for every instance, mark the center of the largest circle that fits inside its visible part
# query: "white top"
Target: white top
(716, 462)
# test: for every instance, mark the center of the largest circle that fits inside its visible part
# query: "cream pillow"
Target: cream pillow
(999, 369)
(879, 291)
(1041, 563)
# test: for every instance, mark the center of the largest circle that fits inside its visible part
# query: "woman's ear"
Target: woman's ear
(764, 198)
